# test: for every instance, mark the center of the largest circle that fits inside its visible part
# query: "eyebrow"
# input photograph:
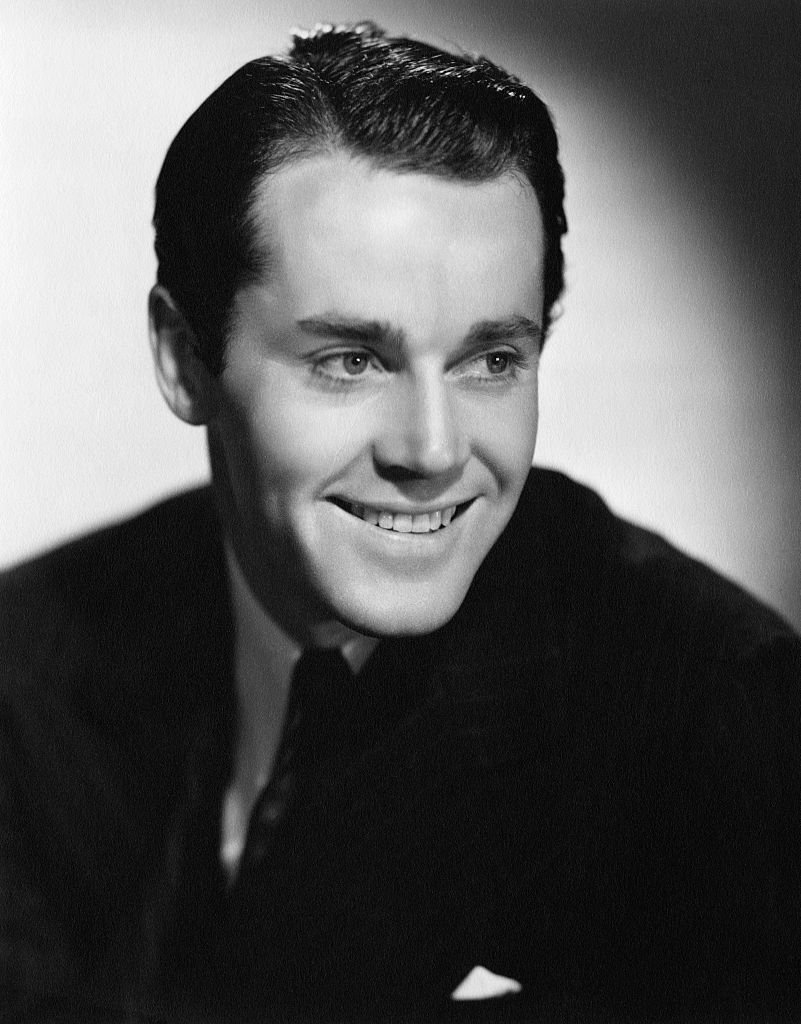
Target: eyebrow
(362, 332)
(490, 332)
(378, 332)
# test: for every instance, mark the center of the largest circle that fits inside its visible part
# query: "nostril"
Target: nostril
(422, 435)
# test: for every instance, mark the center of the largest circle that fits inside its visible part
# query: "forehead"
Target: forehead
(338, 230)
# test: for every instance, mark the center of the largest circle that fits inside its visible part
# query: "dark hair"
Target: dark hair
(402, 104)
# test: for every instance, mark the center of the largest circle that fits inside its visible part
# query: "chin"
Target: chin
(415, 616)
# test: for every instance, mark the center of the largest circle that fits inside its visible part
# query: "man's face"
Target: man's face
(378, 408)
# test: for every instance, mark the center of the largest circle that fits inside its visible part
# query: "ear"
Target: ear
(183, 378)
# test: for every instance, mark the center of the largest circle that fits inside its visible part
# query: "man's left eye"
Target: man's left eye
(354, 363)
(498, 362)
(498, 366)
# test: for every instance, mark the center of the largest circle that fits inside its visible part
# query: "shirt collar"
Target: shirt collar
(263, 650)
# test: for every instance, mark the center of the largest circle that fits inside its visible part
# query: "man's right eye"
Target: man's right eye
(344, 366)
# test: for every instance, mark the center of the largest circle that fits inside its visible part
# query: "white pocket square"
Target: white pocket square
(483, 984)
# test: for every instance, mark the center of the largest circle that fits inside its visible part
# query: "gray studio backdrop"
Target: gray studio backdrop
(671, 380)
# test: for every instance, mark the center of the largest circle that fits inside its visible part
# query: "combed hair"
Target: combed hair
(402, 104)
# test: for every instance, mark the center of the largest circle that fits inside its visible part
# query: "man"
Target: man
(387, 726)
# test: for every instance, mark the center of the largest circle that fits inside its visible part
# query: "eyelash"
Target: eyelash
(515, 362)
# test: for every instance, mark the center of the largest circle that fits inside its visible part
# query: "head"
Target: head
(376, 214)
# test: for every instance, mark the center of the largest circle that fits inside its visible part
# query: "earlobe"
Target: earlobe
(183, 378)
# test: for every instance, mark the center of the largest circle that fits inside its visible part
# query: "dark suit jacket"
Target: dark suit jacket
(589, 781)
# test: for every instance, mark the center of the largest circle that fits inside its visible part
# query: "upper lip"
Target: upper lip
(395, 509)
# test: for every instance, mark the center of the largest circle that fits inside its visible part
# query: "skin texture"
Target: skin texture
(388, 357)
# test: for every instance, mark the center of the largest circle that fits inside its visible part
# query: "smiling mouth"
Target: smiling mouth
(404, 522)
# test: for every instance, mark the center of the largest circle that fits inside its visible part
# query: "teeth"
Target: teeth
(421, 523)
(404, 522)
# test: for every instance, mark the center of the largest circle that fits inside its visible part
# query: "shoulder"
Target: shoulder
(113, 652)
(90, 593)
(613, 571)
(617, 602)
(120, 548)
(643, 632)
(683, 697)
(122, 634)
(696, 679)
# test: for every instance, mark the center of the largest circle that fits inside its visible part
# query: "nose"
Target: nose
(422, 434)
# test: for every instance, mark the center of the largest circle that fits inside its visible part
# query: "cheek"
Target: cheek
(283, 441)
(505, 436)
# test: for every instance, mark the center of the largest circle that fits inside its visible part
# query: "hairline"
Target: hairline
(301, 149)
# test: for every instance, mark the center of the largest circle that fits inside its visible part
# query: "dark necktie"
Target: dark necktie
(317, 731)
(257, 948)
